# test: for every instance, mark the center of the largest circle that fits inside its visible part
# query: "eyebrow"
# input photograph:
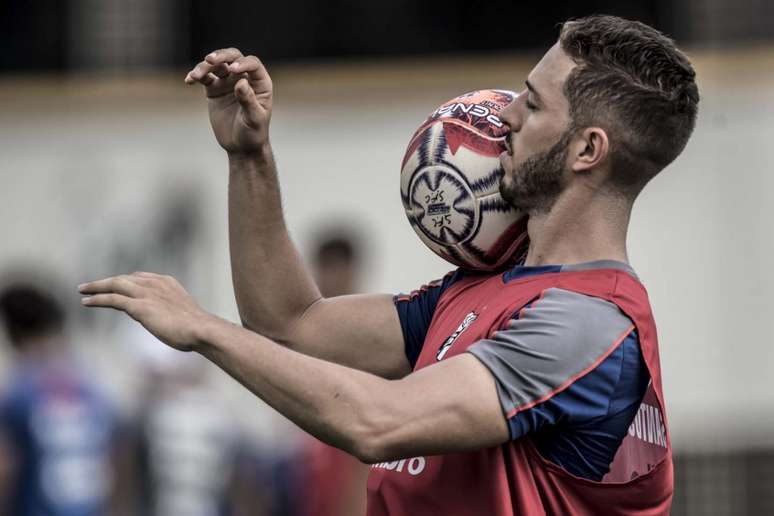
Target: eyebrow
(533, 90)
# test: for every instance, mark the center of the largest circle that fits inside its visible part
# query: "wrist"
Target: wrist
(208, 332)
(257, 156)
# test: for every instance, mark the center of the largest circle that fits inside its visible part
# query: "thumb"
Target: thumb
(245, 95)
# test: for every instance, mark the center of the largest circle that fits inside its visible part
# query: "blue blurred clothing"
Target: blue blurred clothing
(61, 430)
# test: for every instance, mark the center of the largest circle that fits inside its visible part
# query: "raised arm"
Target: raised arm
(275, 293)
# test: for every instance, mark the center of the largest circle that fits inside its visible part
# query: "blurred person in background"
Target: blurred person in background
(190, 456)
(59, 449)
(334, 482)
(337, 262)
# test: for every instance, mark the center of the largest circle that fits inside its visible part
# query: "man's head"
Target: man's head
(612, 103)
(29, 314)
(337, 264)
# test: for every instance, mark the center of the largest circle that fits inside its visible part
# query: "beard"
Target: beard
(535, 184)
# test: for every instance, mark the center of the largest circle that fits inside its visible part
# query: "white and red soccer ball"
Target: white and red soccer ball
(450, 179)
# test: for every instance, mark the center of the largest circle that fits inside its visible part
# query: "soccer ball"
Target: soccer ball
(450, 184)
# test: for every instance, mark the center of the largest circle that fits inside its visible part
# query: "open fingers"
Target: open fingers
(123, 285)
(114, 301)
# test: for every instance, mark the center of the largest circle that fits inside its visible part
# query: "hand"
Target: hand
(239, 90)
(157, 302)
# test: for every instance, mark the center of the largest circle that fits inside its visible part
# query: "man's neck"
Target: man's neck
(582, 226)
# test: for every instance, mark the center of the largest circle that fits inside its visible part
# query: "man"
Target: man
(57, 431)
(525, 383)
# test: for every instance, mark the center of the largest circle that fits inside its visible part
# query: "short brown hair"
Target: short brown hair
(28, 312)
(631, 80)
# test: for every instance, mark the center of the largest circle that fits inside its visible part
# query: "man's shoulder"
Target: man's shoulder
(572, 312)
(569, 326)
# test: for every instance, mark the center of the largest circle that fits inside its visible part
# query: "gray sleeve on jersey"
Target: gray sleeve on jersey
(560, 336)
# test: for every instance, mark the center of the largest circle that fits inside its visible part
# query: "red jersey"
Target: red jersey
(514, 478)
(332, 481)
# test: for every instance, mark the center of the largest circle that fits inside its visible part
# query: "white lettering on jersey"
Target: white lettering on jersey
(413, 466)
(648, 426)
(453, 337)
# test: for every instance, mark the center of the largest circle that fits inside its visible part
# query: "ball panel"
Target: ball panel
(458, 134)
(458, 256)
(477, 109)
(448, 253)
(475, 165)
(489, 183)
(442, 205)
(504, 250)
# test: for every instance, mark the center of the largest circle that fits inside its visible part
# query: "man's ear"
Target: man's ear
(590, 148)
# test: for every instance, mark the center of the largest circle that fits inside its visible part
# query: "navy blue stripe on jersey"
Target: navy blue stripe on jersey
(522, 271)
(582, 427)
(416, 310)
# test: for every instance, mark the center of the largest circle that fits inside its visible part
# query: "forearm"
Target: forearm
(334, 403)
(448, 407)
(272, 286)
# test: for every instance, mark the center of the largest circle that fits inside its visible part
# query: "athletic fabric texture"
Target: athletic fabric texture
(537, 363)
(516, 477)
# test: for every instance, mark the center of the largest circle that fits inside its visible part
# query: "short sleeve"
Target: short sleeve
(569, 371)
(549, 345)
(416, 310)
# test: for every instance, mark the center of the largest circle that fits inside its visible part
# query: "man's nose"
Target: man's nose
(511, 116)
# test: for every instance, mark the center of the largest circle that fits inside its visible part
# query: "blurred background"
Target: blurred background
(108, 166)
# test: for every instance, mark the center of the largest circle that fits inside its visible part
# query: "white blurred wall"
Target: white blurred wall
(86, 164)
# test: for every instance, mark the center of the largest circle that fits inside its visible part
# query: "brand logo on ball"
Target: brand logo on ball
(443, 205)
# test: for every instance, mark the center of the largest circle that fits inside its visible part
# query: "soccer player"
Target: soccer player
(532, 391)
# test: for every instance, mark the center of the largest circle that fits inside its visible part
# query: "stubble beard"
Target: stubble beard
(536, 183)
